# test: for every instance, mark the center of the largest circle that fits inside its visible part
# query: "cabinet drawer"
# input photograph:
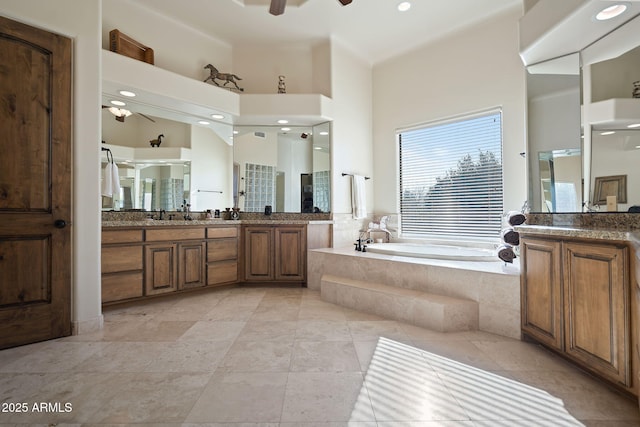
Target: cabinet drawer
(222, 249)
(174, 234)
(218, 232)
(121, 236)
(116, 287)
(121, 258)
(222, 272)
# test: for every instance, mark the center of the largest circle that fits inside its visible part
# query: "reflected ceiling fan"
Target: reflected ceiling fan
(277, 6)
(121, 113)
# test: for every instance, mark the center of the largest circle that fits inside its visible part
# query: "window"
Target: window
(451, 178)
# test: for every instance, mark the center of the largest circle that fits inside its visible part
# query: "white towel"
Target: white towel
(358, 197)
(115, 180)
(111, 180)
(107, 181)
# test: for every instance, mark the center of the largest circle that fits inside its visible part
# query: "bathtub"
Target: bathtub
(434, 251)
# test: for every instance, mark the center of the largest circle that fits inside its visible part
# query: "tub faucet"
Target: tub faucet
(361, 244)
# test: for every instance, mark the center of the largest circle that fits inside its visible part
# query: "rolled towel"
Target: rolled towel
(515, 218)
(510, 236)
(506, 254)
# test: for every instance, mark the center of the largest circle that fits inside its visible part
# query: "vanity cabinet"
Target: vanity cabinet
(576, 299)
(275, 253)
(174, 259)
(222, 255)
(161, 273)
(122, 264)
(541, 296)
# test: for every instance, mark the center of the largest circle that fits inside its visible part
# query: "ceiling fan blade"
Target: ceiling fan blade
(345, 2)
(147, 117)
(277, 7)
(120, 118)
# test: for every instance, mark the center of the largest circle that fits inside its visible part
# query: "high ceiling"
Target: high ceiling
(374, 29)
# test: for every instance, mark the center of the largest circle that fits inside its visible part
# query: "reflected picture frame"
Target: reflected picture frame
(614, 185)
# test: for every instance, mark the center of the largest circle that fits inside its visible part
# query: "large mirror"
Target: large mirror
(554, 136)
(214, 166)
(192, 164)
(285, 167)
(614, 115)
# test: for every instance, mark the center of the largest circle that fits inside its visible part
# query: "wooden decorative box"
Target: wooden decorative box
(125, 45)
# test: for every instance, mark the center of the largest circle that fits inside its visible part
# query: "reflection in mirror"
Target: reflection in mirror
(614, 116)
(286, 168)
(560, 180)
(616, 153)
(150, 186)
(192, 164)
(553, 95)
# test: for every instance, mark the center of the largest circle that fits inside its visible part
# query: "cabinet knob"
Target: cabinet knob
(60, 223)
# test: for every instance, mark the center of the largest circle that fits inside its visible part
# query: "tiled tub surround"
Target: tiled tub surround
(408, 289)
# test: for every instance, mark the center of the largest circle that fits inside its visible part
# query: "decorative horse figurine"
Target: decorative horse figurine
(226, 77)
(156, 142)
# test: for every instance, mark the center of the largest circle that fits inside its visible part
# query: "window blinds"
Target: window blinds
(451, 179)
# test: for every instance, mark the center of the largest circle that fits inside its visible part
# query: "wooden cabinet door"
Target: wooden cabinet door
(191, 265)
(541, 293)
(290, 247)
(259, 250)
(596, 293)
(35, 184)
(161, 273)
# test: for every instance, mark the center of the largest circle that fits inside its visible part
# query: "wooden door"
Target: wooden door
(259, 253)
(35, 184)
(596, 293)
(291, 253)
(541, 293)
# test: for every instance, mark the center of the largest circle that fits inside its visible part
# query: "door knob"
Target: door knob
(60, 223)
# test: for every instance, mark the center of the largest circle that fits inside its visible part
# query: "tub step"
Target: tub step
(435, 312)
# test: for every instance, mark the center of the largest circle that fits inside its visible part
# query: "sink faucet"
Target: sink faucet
(162, 212)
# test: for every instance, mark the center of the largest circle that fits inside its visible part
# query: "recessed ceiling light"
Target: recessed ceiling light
(324, 133)
(203, 122)
(217, 116)
(404, 6)
(235, 132)
(283, 122)
(611, 12)
(127, 93)
(285, 129)
(118, 103)
(607, 133)
(635, 125)
(317, 148)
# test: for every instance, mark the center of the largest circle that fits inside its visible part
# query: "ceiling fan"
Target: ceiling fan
(121, 113)
(277, 6)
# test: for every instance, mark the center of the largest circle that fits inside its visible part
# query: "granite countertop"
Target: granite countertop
(208, 222)
(632, 235)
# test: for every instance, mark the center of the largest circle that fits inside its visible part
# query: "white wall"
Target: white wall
(294, 158)
(259, 67)
(474, 70)
(211, 169)
(61, 16)
(351, 148)
(176, 47)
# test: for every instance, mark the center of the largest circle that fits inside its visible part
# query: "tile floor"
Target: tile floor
(270, 357)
